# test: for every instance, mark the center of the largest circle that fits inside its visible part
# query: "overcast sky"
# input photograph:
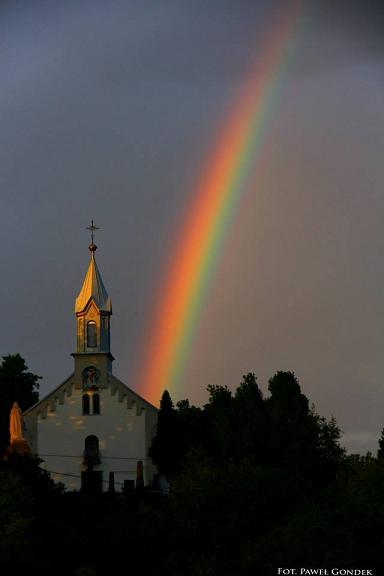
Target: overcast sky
(108, 110)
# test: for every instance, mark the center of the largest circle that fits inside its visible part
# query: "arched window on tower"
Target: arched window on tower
(96, 404)
(86, 403)
(91, 334)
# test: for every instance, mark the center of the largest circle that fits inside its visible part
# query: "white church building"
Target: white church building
(92, 430)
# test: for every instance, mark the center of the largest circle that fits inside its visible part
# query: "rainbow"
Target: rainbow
(215, 200)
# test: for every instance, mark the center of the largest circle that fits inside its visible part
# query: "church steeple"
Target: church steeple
(94, 288)
(93, 308)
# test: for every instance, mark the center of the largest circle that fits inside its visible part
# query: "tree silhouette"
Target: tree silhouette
(16, 385)
(164, 448)
(380, 452)
(250, 420)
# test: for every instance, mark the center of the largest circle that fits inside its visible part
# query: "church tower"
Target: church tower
(93, 308)
(93, 431)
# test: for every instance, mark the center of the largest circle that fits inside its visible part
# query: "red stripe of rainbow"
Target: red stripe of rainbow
(216, 197)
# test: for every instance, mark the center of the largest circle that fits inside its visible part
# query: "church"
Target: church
(92, 431)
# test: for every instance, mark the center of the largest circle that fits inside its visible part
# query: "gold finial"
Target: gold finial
(92, 228)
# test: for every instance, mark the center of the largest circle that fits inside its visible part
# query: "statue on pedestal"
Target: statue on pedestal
(18, 444)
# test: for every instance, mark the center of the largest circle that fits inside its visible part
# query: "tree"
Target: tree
(235, 424)
(16, 517)
(250, 420)
(219, 424)
(299, 438)
(291, 429)
(164, 448)
(16, 385)
(190, 426)
(380, 452)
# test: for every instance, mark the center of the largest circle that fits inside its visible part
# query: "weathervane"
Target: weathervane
(92, 228)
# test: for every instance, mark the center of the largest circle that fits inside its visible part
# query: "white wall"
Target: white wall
(122, 432)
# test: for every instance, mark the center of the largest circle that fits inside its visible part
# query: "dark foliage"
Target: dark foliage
(256, 483)
(165, 447)
(380, 452)
(27, 497)
(280, 431)
(16, 385)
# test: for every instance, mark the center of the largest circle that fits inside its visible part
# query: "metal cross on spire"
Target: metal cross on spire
(92, 229)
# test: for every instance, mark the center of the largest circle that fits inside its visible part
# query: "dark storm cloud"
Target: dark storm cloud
(360, 21)
(189, 41)
(342, 33)
(108, 111)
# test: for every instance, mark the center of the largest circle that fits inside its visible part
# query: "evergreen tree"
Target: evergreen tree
(164, 449)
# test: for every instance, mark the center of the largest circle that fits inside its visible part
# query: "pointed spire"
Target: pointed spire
(93, 286)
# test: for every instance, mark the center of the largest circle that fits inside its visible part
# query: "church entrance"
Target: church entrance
(92, 481)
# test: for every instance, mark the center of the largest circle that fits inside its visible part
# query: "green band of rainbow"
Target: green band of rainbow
(216, 198)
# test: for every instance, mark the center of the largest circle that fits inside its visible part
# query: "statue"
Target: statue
(18, 444)
(91, 377)
(16, 424)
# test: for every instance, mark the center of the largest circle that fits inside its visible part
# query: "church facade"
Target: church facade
(92, 429)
